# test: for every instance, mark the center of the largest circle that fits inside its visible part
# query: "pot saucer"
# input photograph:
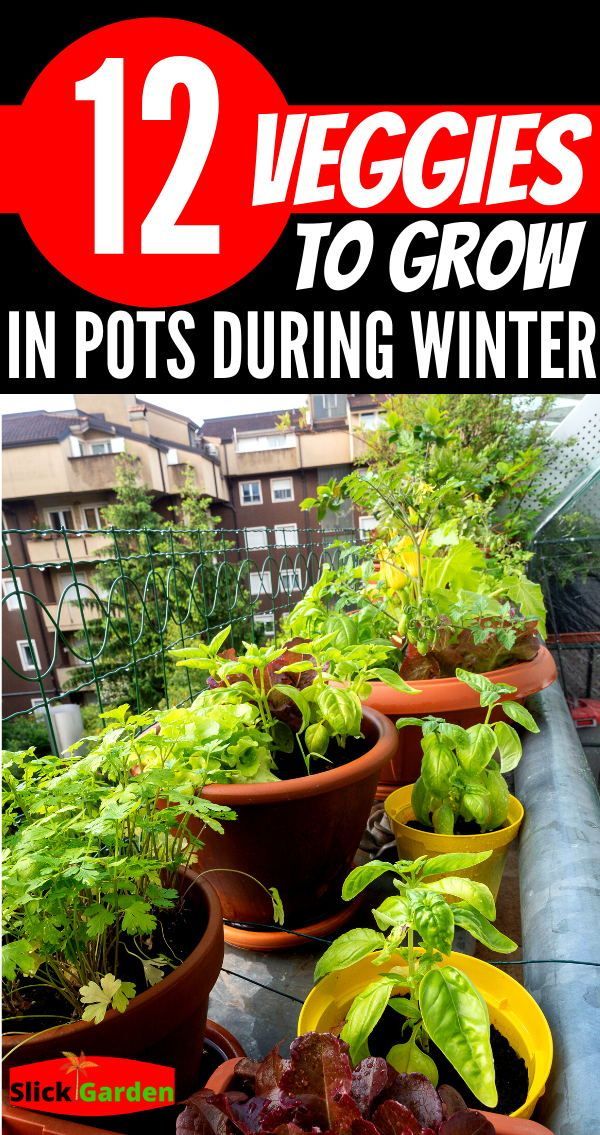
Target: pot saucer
(271, 940)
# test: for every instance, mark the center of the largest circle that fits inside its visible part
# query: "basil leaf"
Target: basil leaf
(348, 949)
(453, 861)
(477, 894)
(456, 1018)
(432, 918)
(471, 920)
(360, 877)
(364, 1013)
(509, 744)
(479, 749)
(522, 716)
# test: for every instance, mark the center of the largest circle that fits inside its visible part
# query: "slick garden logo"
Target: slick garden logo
(91, 1085)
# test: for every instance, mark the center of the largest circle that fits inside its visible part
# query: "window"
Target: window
(261, 583)
(286, 535)
(11, 588)
(60, 518)
(250, 492)
(290, 579)
(29, 657)
(97, 448)
(5, 526)
(258, 443)
(372, 421)
(255, 538)
(366, 524)
(329, 406)
(92, 515)
(266, 619)
(282, 489)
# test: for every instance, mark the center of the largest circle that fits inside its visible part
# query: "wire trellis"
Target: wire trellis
(126, 597)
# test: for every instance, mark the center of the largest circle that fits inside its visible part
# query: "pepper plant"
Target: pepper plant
(92, 848)
(435, 1001)
(293, 688)
(462, 769)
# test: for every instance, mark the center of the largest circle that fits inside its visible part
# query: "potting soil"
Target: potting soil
(512, 1081)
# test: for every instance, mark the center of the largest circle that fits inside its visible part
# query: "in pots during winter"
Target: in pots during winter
(308, 755)
(111, 942)
(404, 996)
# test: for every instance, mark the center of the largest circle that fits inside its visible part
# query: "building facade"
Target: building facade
(59, 473)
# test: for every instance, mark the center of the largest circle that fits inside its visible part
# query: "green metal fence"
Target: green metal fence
(90, 615)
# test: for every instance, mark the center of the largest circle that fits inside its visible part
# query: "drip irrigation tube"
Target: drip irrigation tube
(559, 868)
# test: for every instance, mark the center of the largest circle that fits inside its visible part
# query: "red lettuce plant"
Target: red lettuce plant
(316, 1092)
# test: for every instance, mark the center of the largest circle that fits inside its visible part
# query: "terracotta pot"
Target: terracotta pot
(297, 835)
(225, 1043)
(222, 1080)
(21, 1121)
(18, 1121)
(454, 701)
(164, 1024)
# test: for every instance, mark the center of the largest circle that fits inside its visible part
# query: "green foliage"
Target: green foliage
(164, 584)
(462, 769)
(92, 845)
(439, 1002)
(26, 732)
(493, 446)
(455, 593)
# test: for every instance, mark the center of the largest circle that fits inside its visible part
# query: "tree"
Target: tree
(494, 445)
(159, 585)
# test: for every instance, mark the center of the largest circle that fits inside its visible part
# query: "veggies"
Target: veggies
(91, 853)
(437, 1002)
(462, 769)
(317, 1091)
(455, 592)
(290, 692)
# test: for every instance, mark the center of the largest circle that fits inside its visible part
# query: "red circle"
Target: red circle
(58, 206)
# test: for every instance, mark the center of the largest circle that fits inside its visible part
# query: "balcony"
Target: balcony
(70, 616)
(52, 549)
(68, 674)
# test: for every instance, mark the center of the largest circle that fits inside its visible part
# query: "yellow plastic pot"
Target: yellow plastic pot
(512, 1010)
(412, 843)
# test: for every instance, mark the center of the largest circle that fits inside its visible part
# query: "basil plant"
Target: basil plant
(462, 769)
(435, 1002)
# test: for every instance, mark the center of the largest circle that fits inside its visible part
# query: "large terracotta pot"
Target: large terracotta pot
(223, 1080)
(297, 835)
(165, 1024)
(454, 701)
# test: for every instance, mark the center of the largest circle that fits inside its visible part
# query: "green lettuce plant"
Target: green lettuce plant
(462, 771)
(435, 1002)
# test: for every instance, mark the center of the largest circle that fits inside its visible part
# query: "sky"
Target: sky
(196, 406)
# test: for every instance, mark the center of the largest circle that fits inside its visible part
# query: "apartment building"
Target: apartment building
(272, 461)
(59, 472)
